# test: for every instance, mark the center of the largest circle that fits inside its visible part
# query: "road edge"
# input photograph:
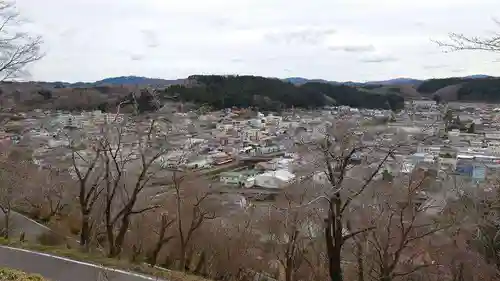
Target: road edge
(138, 275)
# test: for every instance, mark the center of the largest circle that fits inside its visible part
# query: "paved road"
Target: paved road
(62, 269)
(20, 223)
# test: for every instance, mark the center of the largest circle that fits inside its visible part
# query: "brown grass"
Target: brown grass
(7, 274)
(99, 259)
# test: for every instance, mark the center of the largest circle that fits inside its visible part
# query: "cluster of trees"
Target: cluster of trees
(274, 94)
(479, 89)
(26, 96)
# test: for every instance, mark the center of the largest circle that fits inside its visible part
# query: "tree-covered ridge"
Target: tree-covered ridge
(463, 89)
(432, 85)
(480, 90)
(274, 94)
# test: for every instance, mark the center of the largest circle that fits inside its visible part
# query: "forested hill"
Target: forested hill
(274, 94)
(462, 89)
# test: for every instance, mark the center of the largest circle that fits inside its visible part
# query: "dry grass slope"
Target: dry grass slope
(449, 93)
(409, 92)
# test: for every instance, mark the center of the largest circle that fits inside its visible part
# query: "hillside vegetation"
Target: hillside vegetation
(432, 85)
(213, 90)
(275, 94)
(241, 91)
(462, 89)
(7, 274)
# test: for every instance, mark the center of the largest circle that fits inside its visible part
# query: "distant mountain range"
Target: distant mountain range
(158, 82)
(121, 80)
(396, 81)
(109, 92)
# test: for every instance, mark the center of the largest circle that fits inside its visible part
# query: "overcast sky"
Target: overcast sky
(339, 40)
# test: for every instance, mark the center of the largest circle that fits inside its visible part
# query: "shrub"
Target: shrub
(51, 239)
(15, 275)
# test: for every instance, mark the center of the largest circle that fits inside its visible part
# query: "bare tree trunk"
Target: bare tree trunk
(200, 263)
(85, 229)
(136, 252)
(385, 276)
(153, 256)
(120, 237)
(334, 240)
(111, 240)
(7, 224)
(289, 270)
(359, 260)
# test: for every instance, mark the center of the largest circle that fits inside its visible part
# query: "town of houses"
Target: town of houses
(252, 151)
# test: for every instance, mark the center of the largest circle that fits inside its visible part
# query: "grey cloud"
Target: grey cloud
(221, 22)
(435, 66)
(353, 48)
(136, 57)
(236, 60)
(378, 59)
(306, 36)
(68, 33)
(457, 70)
(150, 38)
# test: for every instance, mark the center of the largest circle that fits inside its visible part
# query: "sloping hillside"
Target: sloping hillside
(430, 86)
(30, 95)
(406, 91)
(448, 93)
(463, 89)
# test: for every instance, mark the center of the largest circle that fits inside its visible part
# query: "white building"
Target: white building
(274, 179)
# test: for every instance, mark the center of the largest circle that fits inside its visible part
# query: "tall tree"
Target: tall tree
(336, 150)
(14, 177)
(460, 42)
(18, 49)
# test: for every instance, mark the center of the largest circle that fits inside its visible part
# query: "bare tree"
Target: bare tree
(359, 246)
(459, 42)
(123, 186)
(17, 48)
(14, 175)
(291, 229)
(336, 151)
(402, 244)
(89, 178)
(481, 209)
(49, 194)
(192, 210)
(138, 239)
(161, 228)
(228, 247)
(457, 262)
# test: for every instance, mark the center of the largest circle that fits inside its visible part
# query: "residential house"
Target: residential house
(274, 179)
(241, 178)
